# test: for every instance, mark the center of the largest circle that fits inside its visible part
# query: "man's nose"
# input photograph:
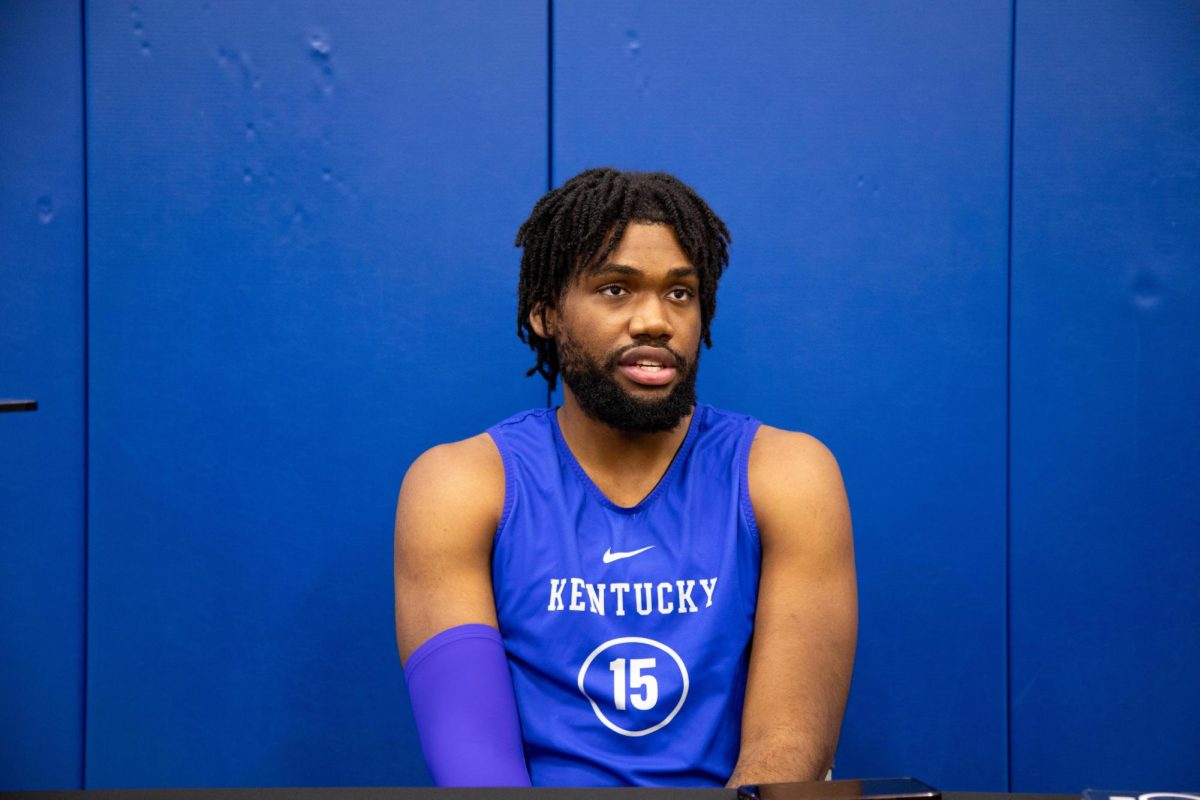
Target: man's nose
(650, 320)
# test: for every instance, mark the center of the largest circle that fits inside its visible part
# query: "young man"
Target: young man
(632, 588)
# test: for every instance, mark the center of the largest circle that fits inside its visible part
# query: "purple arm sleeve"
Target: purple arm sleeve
(466, 713)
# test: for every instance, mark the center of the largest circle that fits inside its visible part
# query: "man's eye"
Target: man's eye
(681, 294)
(612, 290)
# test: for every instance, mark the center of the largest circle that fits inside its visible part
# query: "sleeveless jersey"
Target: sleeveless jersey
(627, 630)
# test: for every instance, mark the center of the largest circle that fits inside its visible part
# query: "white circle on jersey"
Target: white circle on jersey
(633, 640)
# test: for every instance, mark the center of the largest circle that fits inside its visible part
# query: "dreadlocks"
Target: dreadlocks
(580, 224)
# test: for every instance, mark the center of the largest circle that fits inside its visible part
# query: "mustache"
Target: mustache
(681, 362)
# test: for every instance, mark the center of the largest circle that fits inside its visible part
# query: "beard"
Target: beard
(602, 398)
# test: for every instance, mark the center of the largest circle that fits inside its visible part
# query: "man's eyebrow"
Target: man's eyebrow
(625, 269)
(621, 269)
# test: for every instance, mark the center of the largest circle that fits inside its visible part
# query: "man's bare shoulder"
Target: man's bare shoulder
(793, 476)
(459, 481)
(475, 461)
(780, 458)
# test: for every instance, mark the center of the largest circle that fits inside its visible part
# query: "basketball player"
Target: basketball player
(633, 588)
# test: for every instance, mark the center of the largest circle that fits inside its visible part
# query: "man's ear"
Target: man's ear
(542, 319)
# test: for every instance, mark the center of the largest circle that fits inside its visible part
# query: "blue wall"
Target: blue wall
(42, 539)
(965, 256)
(1105, 395)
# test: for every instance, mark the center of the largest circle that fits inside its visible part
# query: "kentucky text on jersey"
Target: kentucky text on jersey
(649, 597)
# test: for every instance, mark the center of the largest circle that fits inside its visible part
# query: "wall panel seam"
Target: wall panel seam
(549, 124)
(1012, 93)
(86, 399)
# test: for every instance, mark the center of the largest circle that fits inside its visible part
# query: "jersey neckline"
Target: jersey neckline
(564, 451)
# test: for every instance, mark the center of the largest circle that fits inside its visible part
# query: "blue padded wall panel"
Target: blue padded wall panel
(41, 358)
(301, 234)
(1105, 392)
(861, 161)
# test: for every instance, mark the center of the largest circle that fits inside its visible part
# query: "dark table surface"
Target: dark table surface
(413, 793)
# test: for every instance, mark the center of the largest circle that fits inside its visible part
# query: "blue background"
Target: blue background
(255, 257)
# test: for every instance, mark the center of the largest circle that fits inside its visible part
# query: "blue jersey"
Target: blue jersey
(627, 629)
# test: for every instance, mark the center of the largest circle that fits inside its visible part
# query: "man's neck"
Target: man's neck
(605, 449)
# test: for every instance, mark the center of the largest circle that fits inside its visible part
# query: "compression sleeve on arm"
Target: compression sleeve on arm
(466, 712)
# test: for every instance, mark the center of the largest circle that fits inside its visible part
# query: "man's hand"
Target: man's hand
(806, 620)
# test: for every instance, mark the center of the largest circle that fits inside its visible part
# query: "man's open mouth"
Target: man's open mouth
(648, 366)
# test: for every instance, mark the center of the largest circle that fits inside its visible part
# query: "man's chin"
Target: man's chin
(639, 409)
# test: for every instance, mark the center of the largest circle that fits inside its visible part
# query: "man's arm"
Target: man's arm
(446, 627)
(806, 620)
(449, 506)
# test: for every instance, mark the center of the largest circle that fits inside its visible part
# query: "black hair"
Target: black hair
(581, 222)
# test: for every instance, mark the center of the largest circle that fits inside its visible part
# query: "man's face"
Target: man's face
(628, 333)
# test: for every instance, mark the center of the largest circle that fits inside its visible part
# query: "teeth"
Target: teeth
(649, 365)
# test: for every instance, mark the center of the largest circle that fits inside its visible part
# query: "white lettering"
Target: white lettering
(685, 596)
(556, 590)
(596, 597)
(643, 608)
(617, 668)
(619, 589)
(649, 597)
(577, 595)
(647, 683)
(665, 606)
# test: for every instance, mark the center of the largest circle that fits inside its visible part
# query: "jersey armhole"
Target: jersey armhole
(506, 459)
(743, 465)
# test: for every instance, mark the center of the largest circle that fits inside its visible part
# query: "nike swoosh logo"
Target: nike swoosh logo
(610, 556)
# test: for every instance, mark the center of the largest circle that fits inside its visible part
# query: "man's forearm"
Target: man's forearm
(782, 759)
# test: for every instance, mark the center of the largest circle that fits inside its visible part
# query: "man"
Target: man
(633, 588)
